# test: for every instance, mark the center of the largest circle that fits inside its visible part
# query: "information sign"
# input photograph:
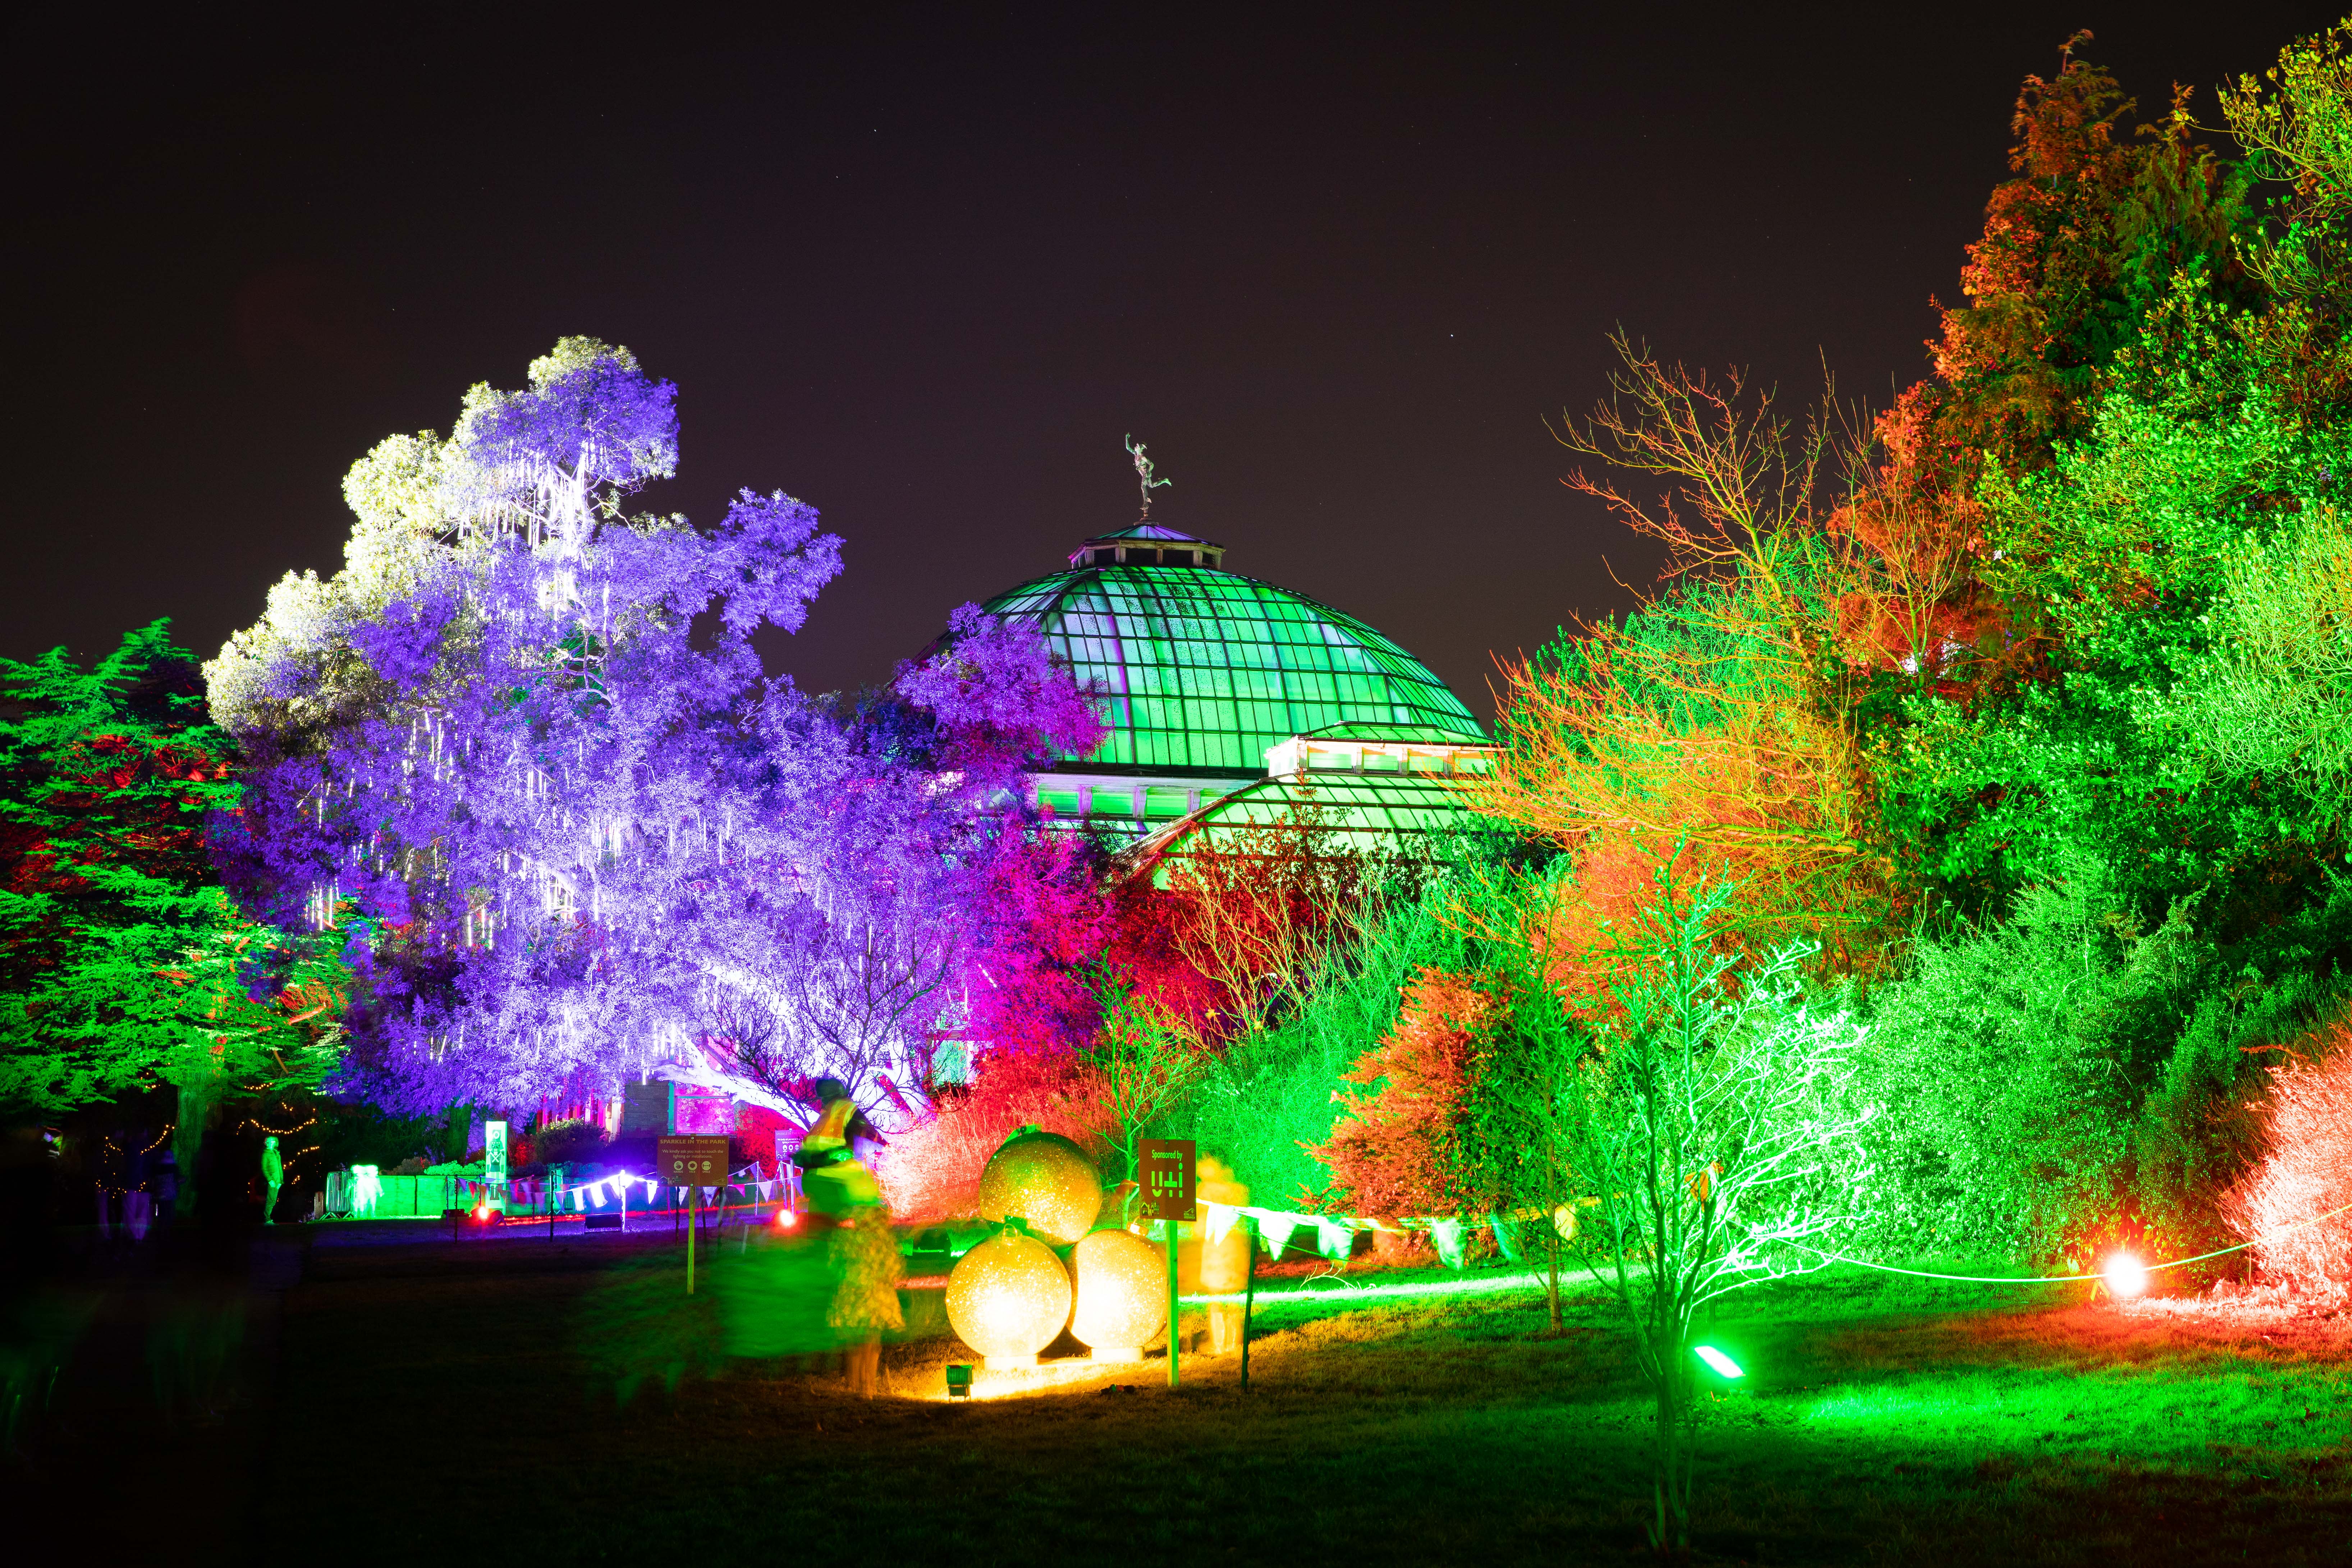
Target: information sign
(1164, 1168)
(692, 1161)
(494, 1162)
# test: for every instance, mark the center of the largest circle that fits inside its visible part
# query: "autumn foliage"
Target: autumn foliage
(1400, 1147)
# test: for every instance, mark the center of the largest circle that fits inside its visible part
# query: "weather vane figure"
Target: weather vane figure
(1143, 473)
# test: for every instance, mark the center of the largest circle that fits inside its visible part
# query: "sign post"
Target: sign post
(1249, 1296)
(693, 1164)
(1165, 1166)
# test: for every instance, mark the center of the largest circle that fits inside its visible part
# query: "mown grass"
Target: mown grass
(423, 1412)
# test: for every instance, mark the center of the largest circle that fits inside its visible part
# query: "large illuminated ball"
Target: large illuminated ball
(1046, 1180)
(1007, 1297)
(1122, 1294)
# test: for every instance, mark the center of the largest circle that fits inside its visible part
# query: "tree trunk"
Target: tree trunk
(1670, 1531)
(460, 1133)
(197, 1100)
(1551, 1237)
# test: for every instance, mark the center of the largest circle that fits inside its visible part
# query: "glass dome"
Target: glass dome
(1203, 671)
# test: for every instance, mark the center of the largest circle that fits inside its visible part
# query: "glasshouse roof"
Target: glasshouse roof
(1204, 670)
(1355, 813)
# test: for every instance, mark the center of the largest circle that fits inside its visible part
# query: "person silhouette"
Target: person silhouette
(273, 1171)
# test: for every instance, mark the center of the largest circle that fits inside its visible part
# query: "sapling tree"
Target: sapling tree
(1143, 1062)
(1709, 1121)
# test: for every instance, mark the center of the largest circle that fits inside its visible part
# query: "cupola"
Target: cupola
(1148, 545)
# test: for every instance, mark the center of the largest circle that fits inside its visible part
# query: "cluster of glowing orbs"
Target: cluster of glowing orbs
(2125, 1276)
(1008, 1298)
(1122, 1294)
(1046, 1179)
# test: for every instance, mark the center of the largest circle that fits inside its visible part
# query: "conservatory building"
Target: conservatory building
(1229, 699)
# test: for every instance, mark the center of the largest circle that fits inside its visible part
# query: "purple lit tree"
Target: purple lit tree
(576, 841)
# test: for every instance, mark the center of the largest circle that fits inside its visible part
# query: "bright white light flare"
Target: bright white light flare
(2126, 1276)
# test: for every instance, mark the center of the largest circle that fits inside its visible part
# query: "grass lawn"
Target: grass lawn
(427, 1401)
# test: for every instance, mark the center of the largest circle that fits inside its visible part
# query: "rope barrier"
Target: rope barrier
(2070, 1278)
(1490, 1283)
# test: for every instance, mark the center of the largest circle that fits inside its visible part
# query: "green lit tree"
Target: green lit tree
(1710, 1120)
(1523, 1110)
(121, 964)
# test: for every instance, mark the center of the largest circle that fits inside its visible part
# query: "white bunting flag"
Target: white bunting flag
(1275, 1227)
(1220, 1218)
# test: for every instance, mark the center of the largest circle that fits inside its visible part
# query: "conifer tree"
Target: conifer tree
(121, 963)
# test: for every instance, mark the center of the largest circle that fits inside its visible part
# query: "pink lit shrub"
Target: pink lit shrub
(2305, 1170)
(932, 1170)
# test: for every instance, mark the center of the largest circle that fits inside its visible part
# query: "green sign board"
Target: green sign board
(494, 1161)
(1164, 1168)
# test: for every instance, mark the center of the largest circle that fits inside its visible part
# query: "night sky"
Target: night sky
(925, 274)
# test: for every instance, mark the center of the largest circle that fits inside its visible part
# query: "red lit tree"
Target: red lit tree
(1402, 1146)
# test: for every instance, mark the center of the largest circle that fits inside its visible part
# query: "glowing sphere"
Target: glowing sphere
(1122, 1294)
(2126, 1276)
(1046, 1180)
(1007, 1297)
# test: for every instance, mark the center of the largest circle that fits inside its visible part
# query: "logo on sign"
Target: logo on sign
(1165, 1169)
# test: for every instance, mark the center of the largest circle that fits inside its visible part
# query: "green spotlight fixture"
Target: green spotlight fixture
(1719, 1363)
(960, 1383)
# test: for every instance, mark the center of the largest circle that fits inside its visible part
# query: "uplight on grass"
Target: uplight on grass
(1719, 1363)
(2125, 1276)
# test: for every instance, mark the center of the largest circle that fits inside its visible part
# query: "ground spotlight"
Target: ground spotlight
(787, 1219)
(1720, 1363)
(2126, 1276)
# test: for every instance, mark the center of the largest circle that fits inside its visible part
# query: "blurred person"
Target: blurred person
(862, 1250)
(1224, 1263)
(273, 1174)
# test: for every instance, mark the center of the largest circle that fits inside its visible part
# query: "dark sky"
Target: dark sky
(1336, 269)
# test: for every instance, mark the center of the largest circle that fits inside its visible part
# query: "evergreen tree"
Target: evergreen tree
(122, 964)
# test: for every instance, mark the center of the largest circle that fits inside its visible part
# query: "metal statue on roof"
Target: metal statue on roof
(1143, 473)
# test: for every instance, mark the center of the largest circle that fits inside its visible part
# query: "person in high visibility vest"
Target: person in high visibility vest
(864, 1253)
(836, 1126)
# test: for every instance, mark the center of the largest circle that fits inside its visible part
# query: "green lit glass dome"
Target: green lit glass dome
(1202, 671)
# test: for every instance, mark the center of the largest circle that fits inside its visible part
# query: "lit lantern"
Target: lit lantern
(1007, 1297)
(1046, 1179)
(1122, 1294)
